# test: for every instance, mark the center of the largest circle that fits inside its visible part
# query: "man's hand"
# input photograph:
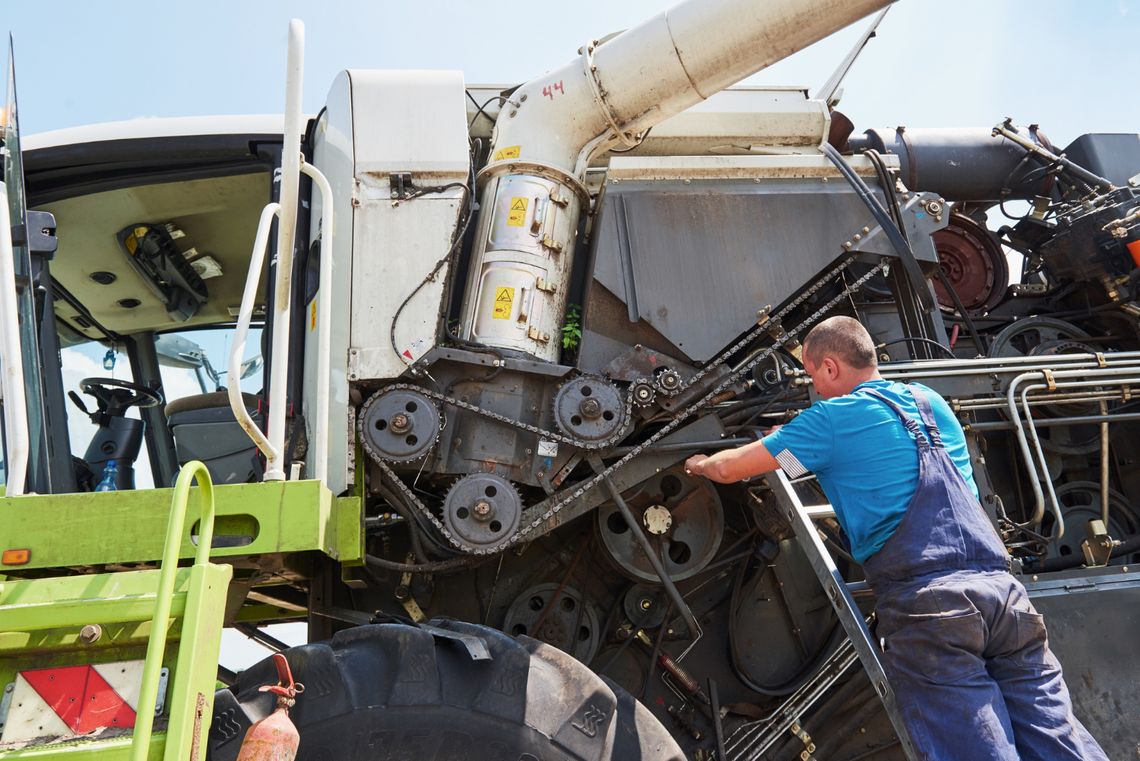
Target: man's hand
(695, 464)
(731, 465)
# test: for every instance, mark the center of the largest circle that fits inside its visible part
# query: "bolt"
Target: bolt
(866, 230)
(401, 592)
(481, 509)
(400, 423)
(847, 244)
(590, 408)
(90, 634)
(645, 603)
(857, 236)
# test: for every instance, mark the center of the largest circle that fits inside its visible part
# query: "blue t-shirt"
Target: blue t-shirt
(864, 458)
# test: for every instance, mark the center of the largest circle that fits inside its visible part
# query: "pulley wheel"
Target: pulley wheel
(482, 510)
(974, 264)
(589, 408)
(644, 606)
(1031, 335)
(569, 622)
(1080, 503)
(682, 517)
(398, 425)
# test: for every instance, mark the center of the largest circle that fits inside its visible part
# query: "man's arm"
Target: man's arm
(731, 465)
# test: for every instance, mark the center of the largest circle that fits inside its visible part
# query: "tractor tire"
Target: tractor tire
(392, 692)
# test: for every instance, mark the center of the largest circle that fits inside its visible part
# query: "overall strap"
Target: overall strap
(927, 413)
(910, 423)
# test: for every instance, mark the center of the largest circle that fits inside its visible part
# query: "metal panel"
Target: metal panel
(697, 258)
(1093, 617)
(408, 122)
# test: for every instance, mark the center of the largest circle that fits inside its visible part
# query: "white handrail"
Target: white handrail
(15, 403)
(241, 332)
(324, 329)
(286, 227)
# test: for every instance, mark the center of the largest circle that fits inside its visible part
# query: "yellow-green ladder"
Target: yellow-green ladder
(42, 626)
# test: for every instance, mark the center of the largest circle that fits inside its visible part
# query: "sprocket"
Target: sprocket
(398, 425)
(590, 408)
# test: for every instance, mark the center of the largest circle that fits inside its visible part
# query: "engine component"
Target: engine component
(683, 518)
(781, 623)
(589, 408)
(1031, 335)
(482, 509)
(1080, 503)
(569, 622)
(398, 425)
(668, 381)
(644, 606)
(974, 263)
(643, 392)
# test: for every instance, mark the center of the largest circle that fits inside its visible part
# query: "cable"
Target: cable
(918, 340)
(961, 309)
(890, 229)
(443, 565)
(435, 270)
(480, 109)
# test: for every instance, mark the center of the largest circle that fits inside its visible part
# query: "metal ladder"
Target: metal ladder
(839, 592)
(60, 624)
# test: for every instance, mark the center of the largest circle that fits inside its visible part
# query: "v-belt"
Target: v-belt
(536, 520)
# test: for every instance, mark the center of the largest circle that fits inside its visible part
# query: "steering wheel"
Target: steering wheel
(116, 396)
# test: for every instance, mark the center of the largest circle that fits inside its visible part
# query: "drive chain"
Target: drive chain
(531, 530)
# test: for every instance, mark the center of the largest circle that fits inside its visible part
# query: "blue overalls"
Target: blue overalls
(965, 651)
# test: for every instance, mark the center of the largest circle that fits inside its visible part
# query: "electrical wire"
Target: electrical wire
(917, 339)
(430, 277)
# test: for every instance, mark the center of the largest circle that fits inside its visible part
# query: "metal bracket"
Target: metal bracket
(160, 699)
(476, 647)
(6, 703)
(837, 591)
(401, 185)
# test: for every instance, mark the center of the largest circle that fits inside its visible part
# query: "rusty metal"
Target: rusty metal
(275, 738)
(974, 263)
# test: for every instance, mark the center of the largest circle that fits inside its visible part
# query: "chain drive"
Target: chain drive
(531, 526)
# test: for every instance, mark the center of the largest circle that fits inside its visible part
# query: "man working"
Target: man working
(965, 651)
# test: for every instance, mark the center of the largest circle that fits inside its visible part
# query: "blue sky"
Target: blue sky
(1060, 63)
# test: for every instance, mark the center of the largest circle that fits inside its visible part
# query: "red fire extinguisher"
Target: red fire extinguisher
(274, 738)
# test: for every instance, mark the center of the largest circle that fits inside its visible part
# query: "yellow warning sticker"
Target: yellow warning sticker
(516, 217)
(504, 301)
(313, 319)
(510, 152)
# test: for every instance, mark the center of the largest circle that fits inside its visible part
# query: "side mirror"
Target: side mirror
(175, 351)
(251, 366)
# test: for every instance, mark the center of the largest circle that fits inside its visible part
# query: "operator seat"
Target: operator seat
(204, 428)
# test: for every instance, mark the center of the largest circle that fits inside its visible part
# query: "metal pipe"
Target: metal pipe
(1052, 422)
(1023, 444)
(687, 446)
(941, 367)
(241, 333)
(975, 405)
(324, 327)
(1104, 465)
(288, 194)
(12, 389)
(613, 93)
(1044, 472)
(1051, 158)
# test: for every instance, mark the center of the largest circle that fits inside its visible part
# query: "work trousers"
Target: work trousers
(968, 659)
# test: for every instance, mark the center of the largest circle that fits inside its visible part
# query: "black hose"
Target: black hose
(960, 308)
(404, 512)
(918, 339)
(893, 232)
(436, 567)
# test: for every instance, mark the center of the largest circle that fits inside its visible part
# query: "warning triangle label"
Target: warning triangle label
(519, 204)
(504, 295)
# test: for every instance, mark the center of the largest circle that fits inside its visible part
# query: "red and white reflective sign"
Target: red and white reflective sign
(65, 702)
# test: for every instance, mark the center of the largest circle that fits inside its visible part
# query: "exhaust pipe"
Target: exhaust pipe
(612, 94)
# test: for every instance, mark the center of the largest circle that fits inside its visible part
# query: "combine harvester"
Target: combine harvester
(494, 324)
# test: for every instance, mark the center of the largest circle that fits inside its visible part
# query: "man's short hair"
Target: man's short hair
(844, 338)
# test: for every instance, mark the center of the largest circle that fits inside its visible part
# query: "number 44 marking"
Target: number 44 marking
(548, 91)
